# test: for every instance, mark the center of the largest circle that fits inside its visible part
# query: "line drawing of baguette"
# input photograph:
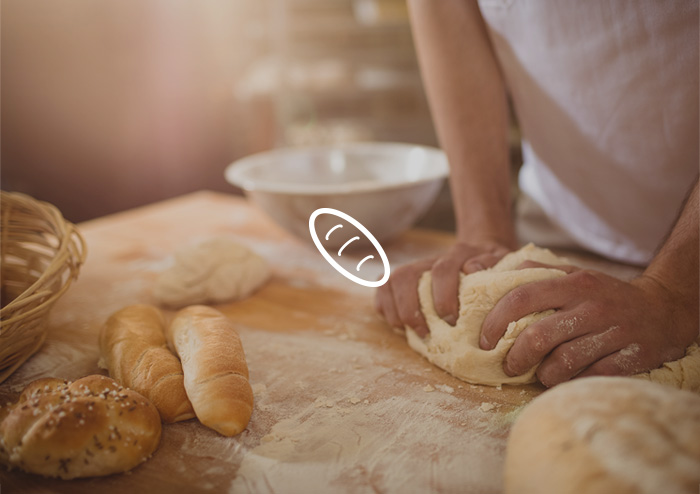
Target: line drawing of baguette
(365, 232)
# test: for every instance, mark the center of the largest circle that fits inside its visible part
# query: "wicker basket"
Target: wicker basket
(40, 254)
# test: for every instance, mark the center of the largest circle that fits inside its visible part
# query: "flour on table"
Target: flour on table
(445, 388)
(215, 271)
(376, 444)
(350, 435)
(259, 389)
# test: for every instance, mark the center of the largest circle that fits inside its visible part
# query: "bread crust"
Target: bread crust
(134, 351)
(605, 435)
(91, 427)
(214, 364)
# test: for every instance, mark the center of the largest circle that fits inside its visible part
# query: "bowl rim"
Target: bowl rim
(235, 173)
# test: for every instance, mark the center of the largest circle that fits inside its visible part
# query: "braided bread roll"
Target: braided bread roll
(216, 373)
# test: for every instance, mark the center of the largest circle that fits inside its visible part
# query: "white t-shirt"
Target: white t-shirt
(606, 93)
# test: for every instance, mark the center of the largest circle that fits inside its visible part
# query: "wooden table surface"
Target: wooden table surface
(342, 404)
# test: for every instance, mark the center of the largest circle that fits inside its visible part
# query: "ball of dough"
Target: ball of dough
(216, 271)
(606, 435)
(91, 427)
(683, 373)
(456, 348)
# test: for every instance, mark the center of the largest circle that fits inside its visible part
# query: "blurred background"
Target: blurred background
(111, 104)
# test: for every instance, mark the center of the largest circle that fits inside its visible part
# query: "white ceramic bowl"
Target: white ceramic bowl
(385, 186)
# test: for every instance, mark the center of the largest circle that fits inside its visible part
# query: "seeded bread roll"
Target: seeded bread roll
(216, 373)
(88, 428)
(134, 351)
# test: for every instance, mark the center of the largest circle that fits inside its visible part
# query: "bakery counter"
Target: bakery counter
(342, 404)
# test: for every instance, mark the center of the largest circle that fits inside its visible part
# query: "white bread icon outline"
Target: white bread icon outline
(333, 262)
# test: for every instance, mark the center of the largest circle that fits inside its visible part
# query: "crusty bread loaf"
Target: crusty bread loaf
(606, 435)
(134, 351)
(216, 373)
(91, 427)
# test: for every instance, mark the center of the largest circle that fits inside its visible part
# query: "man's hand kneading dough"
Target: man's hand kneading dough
(604, 326)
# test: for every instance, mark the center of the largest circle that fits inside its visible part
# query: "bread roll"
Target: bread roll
(91, 427)
(134, 351)
(606, 435)
(216, 374)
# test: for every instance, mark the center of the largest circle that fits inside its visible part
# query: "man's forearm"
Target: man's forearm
(676, 266)
(468, 101)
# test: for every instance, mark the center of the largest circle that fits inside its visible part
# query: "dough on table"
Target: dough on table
(606, 435)
(682, 374)
(215, 271)
(456, 348)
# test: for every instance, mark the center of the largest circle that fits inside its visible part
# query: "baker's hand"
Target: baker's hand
(602, 326)
(397, 300)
